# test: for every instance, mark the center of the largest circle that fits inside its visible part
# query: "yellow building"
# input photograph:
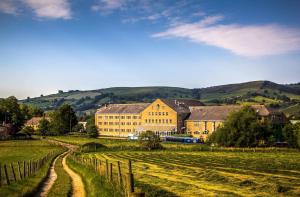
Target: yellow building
(163, 116)
(204, 120)
(119, 119)
(169, 116)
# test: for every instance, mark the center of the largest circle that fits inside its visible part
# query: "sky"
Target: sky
(51, 45)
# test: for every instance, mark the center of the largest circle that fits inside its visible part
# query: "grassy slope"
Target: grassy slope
(62, 185)
(196, 173)
(12, 151)
(95, 185)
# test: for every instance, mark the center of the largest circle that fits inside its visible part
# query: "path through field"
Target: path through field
(77, 184)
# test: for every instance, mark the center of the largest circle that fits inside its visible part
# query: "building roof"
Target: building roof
(221, 112)
(122, 108)
(181, 105)
(35, 120)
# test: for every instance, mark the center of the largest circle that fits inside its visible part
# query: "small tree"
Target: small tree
(92, 131)
(291, 134)
(149, 140)
(44, 126)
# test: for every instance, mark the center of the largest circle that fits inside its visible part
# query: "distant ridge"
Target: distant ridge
(266, 92)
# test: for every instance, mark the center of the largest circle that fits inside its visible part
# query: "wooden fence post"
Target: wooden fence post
(0, 175)
(130, 181)
(119, 174)
(106, 168)
(13, 171)
(19, 169)
(110, 172)
(28, 168)
(96, 164)
(24, 169)
(6, 175)
(100, 167)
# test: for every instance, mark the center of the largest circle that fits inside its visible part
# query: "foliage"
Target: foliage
(291, 134)
(63, 120)
(242, 129)
(44, 126)
(91, 128)
(149, 140)
(78, 128)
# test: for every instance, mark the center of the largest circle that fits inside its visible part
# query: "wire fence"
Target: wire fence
(117, 173)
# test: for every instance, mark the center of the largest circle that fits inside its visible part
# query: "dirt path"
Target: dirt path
(47, 185)
(77, 184)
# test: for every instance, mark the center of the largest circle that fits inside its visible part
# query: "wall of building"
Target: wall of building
(117, 124)
(201, 129)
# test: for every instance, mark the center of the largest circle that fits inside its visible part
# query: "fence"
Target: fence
(19, 171)
(117, 173)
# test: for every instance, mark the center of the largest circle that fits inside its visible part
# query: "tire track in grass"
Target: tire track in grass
(77, 183)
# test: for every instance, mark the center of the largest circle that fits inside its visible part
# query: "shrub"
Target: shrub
(149, 140)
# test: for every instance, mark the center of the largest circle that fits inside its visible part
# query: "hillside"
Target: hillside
(284, 97)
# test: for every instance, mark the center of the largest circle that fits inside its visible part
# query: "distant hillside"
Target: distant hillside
(276, 95)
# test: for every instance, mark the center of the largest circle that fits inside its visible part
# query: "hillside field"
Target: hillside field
(179, 170)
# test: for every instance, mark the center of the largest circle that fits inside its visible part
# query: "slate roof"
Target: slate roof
(123, 108)
(181, 105)
(221, 112)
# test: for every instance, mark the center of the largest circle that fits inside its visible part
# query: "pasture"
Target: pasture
(25, 179)
(184, 170)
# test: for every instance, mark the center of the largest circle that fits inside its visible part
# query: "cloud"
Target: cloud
(107, 6)
(245, 40)
(53, 9)
(7, 7)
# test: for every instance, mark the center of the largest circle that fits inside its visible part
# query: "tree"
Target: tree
(291, 135)
(242, 129)
(91, 128)
(149, 140)
(78, 128)
(63, 120)
(44, 126)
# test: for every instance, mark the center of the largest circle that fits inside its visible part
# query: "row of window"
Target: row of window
(119, 123)
(197, 124)
(158, 113)
(116, 130)
(119, 117)
(167, 121)
(198, 132)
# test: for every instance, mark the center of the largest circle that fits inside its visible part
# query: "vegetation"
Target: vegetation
(91, 128)
(95, 185)
(197, 170)
(63, 120)
(44, 126)
(256, 92)
(243, 129)
(291, 134)
(25, 150)
(62, 185)
(148, 140)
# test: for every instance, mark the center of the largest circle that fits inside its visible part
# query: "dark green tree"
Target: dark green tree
(44, 126)
(149, 140)
(63, 120)
(242, 129)
(91, 128)
(291, 134)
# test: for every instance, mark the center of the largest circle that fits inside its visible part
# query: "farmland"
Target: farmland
(23, 151)
(179, 171)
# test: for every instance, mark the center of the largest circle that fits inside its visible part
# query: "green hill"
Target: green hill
(275, 95)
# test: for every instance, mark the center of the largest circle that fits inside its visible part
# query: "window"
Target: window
(128, 117)
(105, 123)
(155, 113)
(163, 113)
(100, 117)
(205, 125)
(116, 117)
(149, 113)
(135, 117)
(110, 123)
(122, 130)
(157, 106)
(116, 123)
(99, 123)
(117, 130)
(163, 120)
(152, 113)
(128, 130)
(170, 121)
(146, 121)
(135, 123)
(159, 113)
(167, 121)
(111, 130)
(122, 117)
(122, 123)
(100, 129)
(105, 129)
(152, 120)
(111, 117)
(155, 120)
(128, 123)
(167, 113)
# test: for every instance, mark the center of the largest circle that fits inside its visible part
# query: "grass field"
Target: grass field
(24, 150)
(179, 170)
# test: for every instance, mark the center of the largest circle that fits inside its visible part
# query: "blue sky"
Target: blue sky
(53, 45)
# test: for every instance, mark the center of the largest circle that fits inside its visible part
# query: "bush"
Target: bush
(148, 140)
